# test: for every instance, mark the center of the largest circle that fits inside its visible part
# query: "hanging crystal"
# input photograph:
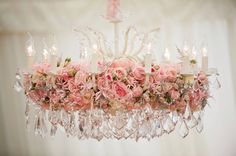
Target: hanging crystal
(53, 130)
(18, 85)
(175, 117)
(199, 127)
(187, 112)
(192, 121)
(27, 111)
(43, 120)
(159, 129)
(183, 129)
(216, 83)
(168, 124)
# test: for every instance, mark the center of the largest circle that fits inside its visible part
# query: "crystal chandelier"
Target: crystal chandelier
(115, 93)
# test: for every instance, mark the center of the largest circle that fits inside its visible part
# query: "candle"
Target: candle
(45, 52)
(53, 57)
(185, 59)
(94, 60)
(185, 49)
(30, 56)
(148, 60)
(45, 55)
(167, 56)
(194, 53)
(193, 60)
(30, 51)
(204, 60)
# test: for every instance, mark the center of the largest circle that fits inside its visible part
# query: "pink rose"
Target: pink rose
(72, 86)
(54, 98)
(75, 97)
(139, 73)
(174, 94)
(160, 75)
(120, 72)
(171, 74)
(34, 96)
(41, 93)
(101, 82)
(109, 77)
(199, 94)
(50, 81)
(123, 63)
(80, 77)
(42, 68)
(202, 77)
(62, 80)
(120, 89)
(137, 91)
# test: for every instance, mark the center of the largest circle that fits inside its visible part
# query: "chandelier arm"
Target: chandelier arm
(102, 42)
(142, 44)
(133, 40)
(85, 35)
(127, 37)
(116, 39)
(97, 35)
(144, 40)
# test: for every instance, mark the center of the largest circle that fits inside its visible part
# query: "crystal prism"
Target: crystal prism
(168, 124)
(199, 127)
(183, 129)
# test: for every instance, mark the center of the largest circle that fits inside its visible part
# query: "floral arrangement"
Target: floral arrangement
(120, 86)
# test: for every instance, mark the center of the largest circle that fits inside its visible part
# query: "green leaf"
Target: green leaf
(193, 61)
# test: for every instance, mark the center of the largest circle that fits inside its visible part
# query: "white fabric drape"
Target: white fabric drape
(213, 22)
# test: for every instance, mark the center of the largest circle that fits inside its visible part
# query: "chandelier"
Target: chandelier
(112, 92)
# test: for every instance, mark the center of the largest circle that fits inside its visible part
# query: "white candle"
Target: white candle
(45, 55)
(45, 52)
(204, 60)
(30, 51)
(30, 55)
(167, 56)
(185, 49)
(53, 57)
(194, 53)
(193, 59)
(185, 59)
(148, 59)
(94, 60)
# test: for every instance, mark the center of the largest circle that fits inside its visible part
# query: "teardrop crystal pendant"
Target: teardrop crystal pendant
(199, 127)
(159, 129)
(168, 124)
(183, 129)
(191, 122)
(18, 86)
(187, 113)
(216, 83)
(27, 115)
(175, 117)
(53, 130)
